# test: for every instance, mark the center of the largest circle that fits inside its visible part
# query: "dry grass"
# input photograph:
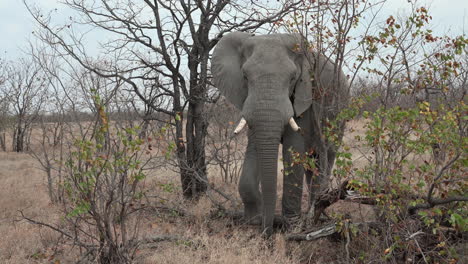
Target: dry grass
(23, 189)
(201, 239)
(237, 247)
(204, 240)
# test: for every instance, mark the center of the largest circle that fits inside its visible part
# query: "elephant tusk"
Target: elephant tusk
(293, 124)
(240, 126)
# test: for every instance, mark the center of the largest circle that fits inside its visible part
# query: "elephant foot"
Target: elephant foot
(279, 222)
(239, 218)
(252, 220)
(251, 212)
(295, 223)
(267, 232)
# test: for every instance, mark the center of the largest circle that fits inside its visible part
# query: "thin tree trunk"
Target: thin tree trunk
(196, 132)
(3, 141)
(195, 181)
(18, 139)
(186, 175)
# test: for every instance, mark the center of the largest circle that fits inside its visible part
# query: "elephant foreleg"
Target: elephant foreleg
(293, 176)
(318, 181)
(249, 182)
(324, 153)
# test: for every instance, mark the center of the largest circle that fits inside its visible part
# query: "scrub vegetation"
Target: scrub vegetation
(129, 155)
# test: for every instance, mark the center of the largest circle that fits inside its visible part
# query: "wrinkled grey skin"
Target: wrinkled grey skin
(270, 78)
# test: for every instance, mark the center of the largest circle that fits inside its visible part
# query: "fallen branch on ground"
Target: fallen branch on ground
(361, 199)
(326, 230)
(327, 198)
(330, 229)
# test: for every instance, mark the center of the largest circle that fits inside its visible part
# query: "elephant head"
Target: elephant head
(269, 78)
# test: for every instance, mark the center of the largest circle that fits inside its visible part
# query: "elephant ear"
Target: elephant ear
(226, 67)
(320, 83)
(306, 84)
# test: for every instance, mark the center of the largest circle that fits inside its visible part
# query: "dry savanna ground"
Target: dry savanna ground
(202, 239)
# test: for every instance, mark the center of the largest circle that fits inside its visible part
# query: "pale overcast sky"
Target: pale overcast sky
(16, 25)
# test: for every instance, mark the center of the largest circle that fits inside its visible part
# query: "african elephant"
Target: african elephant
(279, 86)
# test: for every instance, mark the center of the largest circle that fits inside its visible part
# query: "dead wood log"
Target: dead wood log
(361, 199)
(324, 231)
(331, 229)
(327, 198)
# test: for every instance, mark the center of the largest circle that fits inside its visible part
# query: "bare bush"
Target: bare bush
(163, 47)
(225, 151)
(24, 93)
(99, 189)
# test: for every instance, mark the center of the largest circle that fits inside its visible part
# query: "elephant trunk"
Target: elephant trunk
(267, 110)
(268, 129)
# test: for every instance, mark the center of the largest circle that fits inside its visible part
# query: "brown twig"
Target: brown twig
(35, 222)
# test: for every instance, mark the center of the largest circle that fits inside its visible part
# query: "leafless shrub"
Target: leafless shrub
(226, 151)
(98, 186)
(24, 93)
(161, 49)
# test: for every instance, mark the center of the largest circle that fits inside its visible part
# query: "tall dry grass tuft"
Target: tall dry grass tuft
(232, 246)
(23, 188)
